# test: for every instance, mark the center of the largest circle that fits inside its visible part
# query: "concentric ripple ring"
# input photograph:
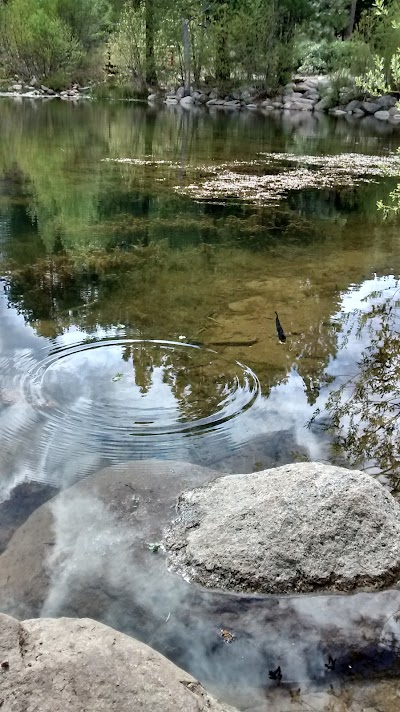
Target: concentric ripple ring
(139, 387)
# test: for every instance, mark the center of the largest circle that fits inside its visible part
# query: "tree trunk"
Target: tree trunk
(350, 25)
(222, 68)
(151, 74)
(186, 55)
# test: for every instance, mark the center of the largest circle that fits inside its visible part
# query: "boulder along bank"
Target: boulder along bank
(68, 664)
(297, 528)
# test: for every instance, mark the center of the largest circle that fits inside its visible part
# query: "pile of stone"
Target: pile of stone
(383, 108)
(35, 90)
(302, 94)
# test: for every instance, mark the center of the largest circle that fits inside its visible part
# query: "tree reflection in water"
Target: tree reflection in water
(199, 380)
(364, 411)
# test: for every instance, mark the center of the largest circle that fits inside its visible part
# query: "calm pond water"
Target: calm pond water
(144, 254)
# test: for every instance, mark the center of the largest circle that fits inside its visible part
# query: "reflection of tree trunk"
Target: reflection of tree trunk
(350, 25)
(151, 75)
(186, 134)
(149, 128)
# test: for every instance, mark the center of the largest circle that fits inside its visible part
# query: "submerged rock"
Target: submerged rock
(303, 527)
(78, 664)
(24, 499)
(82, 545)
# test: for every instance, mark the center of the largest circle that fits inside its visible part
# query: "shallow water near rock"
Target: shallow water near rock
(144, 253)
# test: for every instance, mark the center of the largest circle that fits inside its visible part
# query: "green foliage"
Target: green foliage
(341, 88)
(328, 19)
(88, 20)
(374, 81)
(128, 45)
(36, 41)
(260, 43)
(119, 89)
(327, 56)
(379, 28)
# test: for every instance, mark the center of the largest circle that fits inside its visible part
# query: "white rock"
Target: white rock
(382, 115)
(186, 100)
(301, 527)
(79, 664)
(322, 105)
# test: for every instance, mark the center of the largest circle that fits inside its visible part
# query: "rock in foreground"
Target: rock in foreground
(78, 664)
(297, 528)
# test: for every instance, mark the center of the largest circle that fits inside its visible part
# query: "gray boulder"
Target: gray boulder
(314, 95)
(370, 107)
(186, 101)
(387, 101)
(302, 527)
(302, 87)
(353, 105)
(180, 92)
(381, 115)
(78, 664)
(47, 90)
(322, 105)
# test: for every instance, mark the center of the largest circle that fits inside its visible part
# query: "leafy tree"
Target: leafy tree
(35, 40)
(88, 20)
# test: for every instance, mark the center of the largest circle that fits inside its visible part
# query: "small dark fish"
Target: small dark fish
(275, 674)
(330, 665)
(279, 330)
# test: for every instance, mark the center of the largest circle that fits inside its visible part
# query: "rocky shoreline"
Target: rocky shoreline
(303, 94)
(34, 90)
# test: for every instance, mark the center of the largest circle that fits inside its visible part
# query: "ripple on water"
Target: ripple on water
(119, 388)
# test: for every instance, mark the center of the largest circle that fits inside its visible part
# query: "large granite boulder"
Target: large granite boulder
(296, 528)
(78, 664)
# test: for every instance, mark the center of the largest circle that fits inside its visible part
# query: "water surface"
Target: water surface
(144, 254)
